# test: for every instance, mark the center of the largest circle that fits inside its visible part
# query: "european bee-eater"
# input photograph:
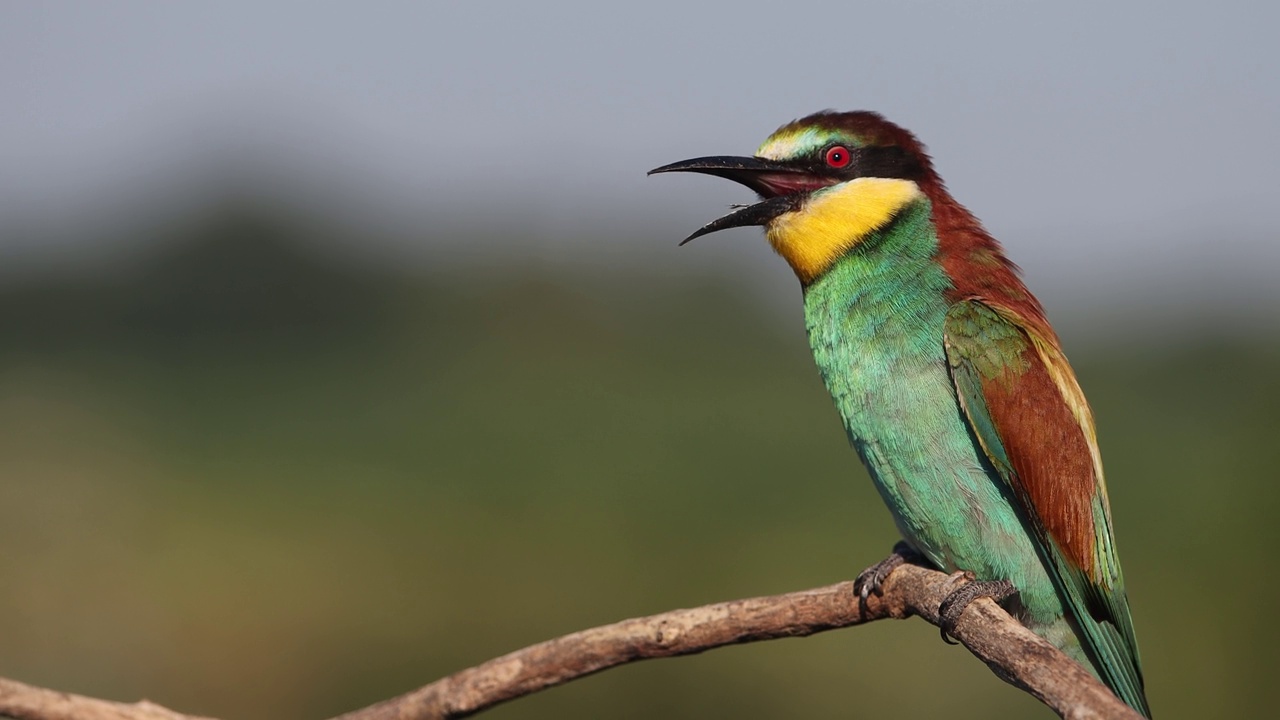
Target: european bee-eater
(953, 388)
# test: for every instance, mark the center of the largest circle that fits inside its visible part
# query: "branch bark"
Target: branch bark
(1014, 653)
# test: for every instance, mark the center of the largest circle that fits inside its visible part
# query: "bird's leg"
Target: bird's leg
(870, 580)
(954, 604)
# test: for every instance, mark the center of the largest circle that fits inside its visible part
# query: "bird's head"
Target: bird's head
(826, 182)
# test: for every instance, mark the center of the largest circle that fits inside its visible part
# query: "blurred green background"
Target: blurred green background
(343, 346)
(249, 478)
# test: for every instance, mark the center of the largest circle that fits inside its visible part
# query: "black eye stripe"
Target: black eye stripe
(887, 162)
(872, 161)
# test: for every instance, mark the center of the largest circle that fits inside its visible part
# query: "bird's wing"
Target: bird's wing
(1031, 419)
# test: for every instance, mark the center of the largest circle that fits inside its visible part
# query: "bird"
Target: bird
(952, 386)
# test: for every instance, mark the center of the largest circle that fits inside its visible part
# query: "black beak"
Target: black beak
(782, 186)
(738, 169)
(759, 214)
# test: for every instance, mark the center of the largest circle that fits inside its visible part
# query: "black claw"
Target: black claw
(954, 604)
(870, 580)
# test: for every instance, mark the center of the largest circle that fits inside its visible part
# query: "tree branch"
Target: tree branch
(1014, 653)
(25, 702)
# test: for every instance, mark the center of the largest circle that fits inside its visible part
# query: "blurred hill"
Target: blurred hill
(252, 477)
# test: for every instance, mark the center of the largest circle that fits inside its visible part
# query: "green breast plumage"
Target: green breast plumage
(875, 323)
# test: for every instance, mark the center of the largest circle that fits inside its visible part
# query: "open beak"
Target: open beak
(782, 186)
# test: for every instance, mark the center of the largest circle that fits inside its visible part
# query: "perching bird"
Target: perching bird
(953, 388)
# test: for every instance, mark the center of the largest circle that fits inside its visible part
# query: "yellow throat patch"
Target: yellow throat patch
(835, 219)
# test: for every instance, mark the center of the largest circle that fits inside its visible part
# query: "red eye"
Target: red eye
(837, 156)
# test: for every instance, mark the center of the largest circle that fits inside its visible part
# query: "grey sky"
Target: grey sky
(1099, 141)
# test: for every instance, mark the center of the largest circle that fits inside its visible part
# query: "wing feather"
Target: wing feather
(1031, 419)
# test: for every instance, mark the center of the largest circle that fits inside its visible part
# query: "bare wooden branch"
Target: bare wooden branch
(25, 702)
(1014, 653)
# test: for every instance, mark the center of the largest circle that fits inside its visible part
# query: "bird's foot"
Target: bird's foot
(954, 604)
(870, 580)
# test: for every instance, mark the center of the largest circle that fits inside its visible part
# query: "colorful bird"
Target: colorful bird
(953, 388)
